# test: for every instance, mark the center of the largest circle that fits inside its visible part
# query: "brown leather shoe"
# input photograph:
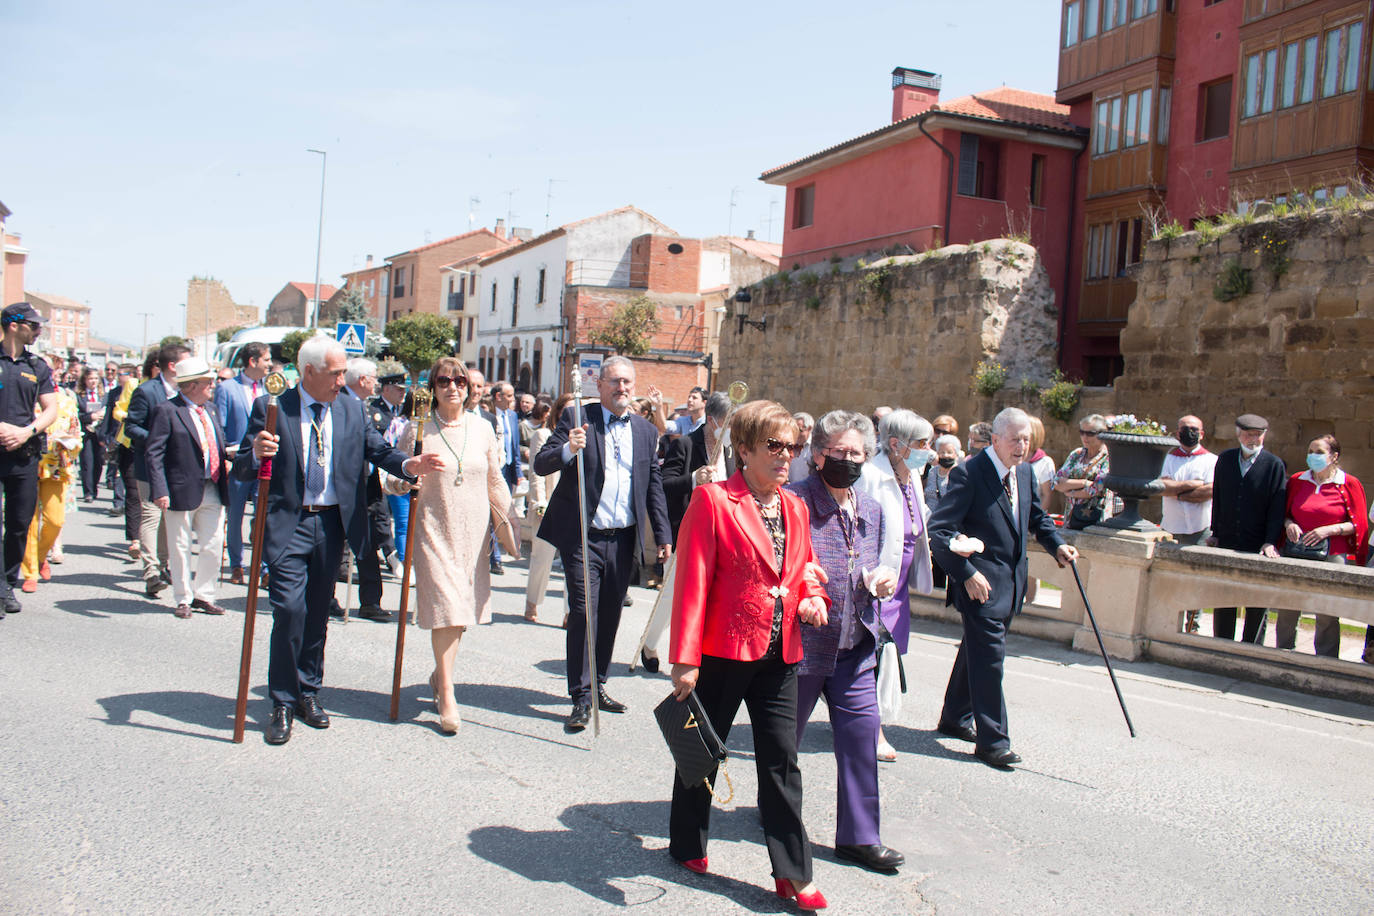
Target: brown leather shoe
(183, 611)
(236, 575)
(207, 607)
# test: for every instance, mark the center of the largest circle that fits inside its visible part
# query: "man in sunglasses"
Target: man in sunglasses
(624, 491)
(25, 382)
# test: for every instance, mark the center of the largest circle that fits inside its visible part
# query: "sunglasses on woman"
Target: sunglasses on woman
(776, 447)
(443, 381)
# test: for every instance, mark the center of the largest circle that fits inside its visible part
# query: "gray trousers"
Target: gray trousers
(152, 534)
(1328, 638)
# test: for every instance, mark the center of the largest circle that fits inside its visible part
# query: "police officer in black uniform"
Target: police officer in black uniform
(383, 410)
(25, 381)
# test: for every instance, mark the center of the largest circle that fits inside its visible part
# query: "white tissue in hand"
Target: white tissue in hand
(964, 545)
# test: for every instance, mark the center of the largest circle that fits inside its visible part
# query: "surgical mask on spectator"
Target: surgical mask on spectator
(841, 473)
(948, 462)
(1249, 452)
(918, 458)
(1189, 437)
(1317, 462)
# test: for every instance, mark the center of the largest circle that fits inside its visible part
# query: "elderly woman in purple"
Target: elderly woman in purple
(840, 661)
(893, 478)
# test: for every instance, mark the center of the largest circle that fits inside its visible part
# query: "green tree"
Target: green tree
(173, 339)
(223, 334)
(630, 328)
(291, 344)
(353, 308)
(418, 339)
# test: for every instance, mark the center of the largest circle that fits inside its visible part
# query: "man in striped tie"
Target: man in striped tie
(188, 478)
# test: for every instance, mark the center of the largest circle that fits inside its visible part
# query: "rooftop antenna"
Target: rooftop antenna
(510, 214)
(548, 201)
(731, 222)
(473, 203)
(769, 220)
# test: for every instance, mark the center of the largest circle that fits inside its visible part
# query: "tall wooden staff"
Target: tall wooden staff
(419, 414)
(275, 383)
(586, 582)
(738, 392)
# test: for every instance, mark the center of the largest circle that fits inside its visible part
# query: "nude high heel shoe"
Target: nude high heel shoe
(447, 724)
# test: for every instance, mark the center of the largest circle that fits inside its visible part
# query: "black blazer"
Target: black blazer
(1247, 512)
(560, 526)
(176, 464)
(684, 455)
(139, 420)
(976, 505)
(355, 444)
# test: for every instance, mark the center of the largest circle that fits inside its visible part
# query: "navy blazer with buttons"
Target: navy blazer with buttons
(176, 463)
(976, 505)
(139, 420)
(355, 443)
(560, 526)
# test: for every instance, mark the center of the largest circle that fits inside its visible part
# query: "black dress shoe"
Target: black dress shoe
(311, 713)
(962, 732)
(373, 612)
(154, 587)
(1002, 759)
(607, 704)
(650, 662)
(335, 609)
(279, 728)
(875, 857)
(497, 569)
(579, 717)
(10, 604)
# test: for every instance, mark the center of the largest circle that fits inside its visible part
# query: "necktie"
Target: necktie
(255, 390)
(314, 470)
(211, 446)
(1006, 488)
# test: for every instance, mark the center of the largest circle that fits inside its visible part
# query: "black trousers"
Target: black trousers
(611, 556)
(974, 694)
(1256, 622)
(301, 587)
(19, 484)
(768, 688)
(92, 464)
(133, 503)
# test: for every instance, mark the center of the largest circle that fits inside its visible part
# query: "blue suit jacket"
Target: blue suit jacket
(511, 445)
(977, 506)
(138, 422)
(176, 464)
(234, 404)
(560, 526)
(355, 444)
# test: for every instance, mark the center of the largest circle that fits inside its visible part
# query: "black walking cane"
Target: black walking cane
(1098, 633)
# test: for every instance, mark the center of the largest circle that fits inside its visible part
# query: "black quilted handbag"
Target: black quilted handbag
(694, 744)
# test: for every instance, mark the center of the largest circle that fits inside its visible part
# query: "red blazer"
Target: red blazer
(723, 598)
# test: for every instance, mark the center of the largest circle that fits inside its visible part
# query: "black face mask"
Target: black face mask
(1189, 437)
(948, 462)
(841, 473)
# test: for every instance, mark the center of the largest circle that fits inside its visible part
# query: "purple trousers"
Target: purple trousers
(851, 694)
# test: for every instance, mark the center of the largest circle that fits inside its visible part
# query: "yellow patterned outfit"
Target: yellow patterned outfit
(57, 470)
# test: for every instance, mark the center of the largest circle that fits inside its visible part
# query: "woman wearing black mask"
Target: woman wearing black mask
(947, 455)
(840, 658)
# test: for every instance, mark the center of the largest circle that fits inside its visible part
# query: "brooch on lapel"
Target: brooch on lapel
(778, 591)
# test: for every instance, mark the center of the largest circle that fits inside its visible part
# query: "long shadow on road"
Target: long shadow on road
(612, 864)
(212, 715)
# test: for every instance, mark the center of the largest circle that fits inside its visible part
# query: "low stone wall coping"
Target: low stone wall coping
(1216, 558)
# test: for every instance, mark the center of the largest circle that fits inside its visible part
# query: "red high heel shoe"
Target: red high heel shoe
(812, 901)
(697, 865)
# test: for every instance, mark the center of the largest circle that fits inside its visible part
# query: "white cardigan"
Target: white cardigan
(879, 482)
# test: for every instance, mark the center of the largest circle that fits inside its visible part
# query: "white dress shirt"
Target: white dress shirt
(1002, 470)
(615, 509)
(327, 497)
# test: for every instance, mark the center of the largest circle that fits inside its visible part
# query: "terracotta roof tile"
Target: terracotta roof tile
(309, 289)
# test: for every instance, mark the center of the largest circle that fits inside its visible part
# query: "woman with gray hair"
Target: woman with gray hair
(893, 478)
(1079, 481)
(840, 657)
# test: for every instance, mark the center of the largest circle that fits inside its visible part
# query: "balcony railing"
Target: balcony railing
(597, 272)
(455, 301)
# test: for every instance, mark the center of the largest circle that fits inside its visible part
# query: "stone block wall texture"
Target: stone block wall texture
(224, 312)
(833, 342)
(1296, 349)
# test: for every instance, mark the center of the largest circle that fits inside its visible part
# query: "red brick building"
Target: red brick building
(1195, 107)
(417, 281)
(292, 307)
(983, 166)
(370, 281)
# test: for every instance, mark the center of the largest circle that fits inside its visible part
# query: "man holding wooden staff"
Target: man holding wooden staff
(318, 497)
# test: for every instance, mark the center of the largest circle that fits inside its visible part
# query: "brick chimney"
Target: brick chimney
(913, 91)
(500, 228)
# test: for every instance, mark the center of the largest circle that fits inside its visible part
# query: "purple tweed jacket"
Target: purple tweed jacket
(850, 603)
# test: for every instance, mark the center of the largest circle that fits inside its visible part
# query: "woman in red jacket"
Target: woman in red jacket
(1324, 503)
(742, 591)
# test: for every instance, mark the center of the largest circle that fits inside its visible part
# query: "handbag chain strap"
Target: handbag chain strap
(729, 784)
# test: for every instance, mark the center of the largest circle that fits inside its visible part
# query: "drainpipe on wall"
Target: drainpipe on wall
(949, 172)
(1068, 251)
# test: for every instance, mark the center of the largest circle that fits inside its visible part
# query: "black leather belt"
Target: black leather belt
(608, 532)
(319, 508)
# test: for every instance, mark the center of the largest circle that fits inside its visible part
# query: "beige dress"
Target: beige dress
(450, 523)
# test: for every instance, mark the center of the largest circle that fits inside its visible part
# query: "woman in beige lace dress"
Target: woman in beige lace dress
(449, 524)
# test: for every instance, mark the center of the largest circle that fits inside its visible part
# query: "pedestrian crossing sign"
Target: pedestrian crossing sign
(351, 336)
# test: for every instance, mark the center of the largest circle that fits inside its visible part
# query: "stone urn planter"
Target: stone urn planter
(1136, 462)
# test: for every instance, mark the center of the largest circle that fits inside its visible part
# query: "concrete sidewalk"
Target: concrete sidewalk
(122, 793)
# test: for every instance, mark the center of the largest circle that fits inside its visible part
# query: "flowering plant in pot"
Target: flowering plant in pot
(1136, 449)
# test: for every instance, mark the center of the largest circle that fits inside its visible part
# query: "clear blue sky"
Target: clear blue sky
(147, 142)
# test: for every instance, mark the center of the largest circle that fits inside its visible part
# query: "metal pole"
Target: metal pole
(206, 352)
(586, 584)
(319, 239)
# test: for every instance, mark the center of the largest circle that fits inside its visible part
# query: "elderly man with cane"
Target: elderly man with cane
(320, 453)
(980, 536)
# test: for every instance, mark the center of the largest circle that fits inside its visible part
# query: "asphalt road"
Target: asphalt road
(121, 791)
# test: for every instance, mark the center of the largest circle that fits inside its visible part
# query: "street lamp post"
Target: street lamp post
(319, 238)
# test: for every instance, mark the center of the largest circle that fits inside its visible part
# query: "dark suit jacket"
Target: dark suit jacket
(176, 464)
(976, 505)
(354, 443)
(560, 526)
(109, 426)
(685, 454)
(139, 420)
(1247, 512)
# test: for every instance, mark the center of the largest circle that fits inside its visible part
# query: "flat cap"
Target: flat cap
(1252, 421)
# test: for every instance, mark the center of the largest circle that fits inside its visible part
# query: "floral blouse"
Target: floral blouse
(1078, 466)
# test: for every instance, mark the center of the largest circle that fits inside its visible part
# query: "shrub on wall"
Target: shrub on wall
(989, 378)
(1232, 283)
(1060, 400)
